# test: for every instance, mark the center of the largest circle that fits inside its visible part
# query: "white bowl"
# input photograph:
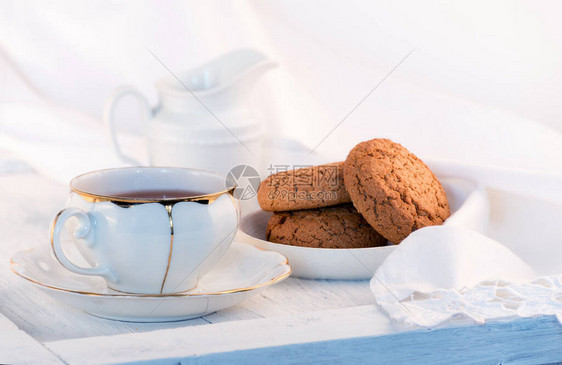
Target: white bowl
(469, 206)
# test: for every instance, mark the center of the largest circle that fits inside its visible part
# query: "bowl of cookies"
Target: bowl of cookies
(341, 220)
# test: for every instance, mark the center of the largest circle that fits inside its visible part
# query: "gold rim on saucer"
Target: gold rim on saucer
(178, 294)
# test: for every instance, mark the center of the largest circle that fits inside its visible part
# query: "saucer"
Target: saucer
(243, 271)
(469, 209)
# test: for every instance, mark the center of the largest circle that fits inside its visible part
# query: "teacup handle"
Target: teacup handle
(81, 232)
(109, 119)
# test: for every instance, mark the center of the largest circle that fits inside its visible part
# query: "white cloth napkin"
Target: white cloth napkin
(448, 272)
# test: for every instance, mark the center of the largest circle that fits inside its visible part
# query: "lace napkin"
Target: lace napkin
(445, 272)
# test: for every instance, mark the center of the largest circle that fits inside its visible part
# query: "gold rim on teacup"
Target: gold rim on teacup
(96, 198)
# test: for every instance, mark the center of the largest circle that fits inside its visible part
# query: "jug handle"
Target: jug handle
(109, 118)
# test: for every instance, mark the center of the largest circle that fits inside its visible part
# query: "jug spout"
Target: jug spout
(225, 79)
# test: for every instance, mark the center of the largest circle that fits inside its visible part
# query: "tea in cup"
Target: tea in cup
(148, 230)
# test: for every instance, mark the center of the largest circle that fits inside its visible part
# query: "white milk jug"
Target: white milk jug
(202, 120)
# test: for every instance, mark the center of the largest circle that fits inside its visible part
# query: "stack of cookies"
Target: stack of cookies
(381, 193)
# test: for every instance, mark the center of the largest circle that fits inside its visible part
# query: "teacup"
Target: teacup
(148, 230)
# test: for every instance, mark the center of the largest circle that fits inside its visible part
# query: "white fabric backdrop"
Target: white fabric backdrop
(473, 59)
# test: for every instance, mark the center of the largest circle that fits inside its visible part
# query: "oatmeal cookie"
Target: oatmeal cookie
(333, 227)
(393, 189)
(306, 188)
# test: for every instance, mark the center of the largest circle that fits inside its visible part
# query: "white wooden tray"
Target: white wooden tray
(296, 321)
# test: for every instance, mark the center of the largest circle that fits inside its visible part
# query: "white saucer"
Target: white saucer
(469, 209)
(243, 271)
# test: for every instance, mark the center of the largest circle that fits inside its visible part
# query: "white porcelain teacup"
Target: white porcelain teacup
(148, 230)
